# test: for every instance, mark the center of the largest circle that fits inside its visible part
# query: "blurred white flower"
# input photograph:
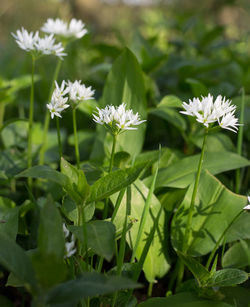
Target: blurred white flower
(76, 28)
(58, 101)
(36, 45)
(47, 45)
(248, 206)
(208, 111)
(26, 40)
(79, 92)
(70, 244)
(117, 119)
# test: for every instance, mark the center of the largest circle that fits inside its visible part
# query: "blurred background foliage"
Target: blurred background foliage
(185, 48)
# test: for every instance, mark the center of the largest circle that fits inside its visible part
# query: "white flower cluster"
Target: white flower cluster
(75, 29)
(33, 43)
(117, 119)
(70, 244)
(58, 101)
(248, 206)
(208, 111)
(76, 92)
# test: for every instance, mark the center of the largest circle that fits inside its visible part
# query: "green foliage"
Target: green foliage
(88, 284)
(100, 237)
(210, 218)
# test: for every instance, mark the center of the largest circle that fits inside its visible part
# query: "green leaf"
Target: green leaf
(238, 255)
(70, 210)
(184, 299)
(88, 284)
(170, 101)
(51, 223)
(182, 173)
(112, 183)
(15, 260)
(166, 110)
(125, 83)
(78, 183)
(8, 218)
(45, 172)
(227, 277)
(215, 209)
(157, 262)
(200, 273)
(101, 237)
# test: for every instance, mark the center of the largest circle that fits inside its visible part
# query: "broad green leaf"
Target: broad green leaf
(170, 101)
(88, 284)
(215, 142)
(114, 182)
(157, 261)
(125, 83)
(69, 208)
(101, 237)
(78, 183)
(184, 299)
(236, 296)
(215, 209)
(200, 273)
(166, 110)
(182, 173)
(170, 115)
(50, 270)
(45, 172)
(14, 259)
(8, 218)
(51, 223)
(227, 277)
(238, 255)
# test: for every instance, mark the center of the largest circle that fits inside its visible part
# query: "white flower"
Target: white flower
(208, 111)
(117, 119)
(70, 244)
(47, 45)
(26, 40)
(76, 28)
(38, 46)
(248, 206)
(58, 101)
(79, 92)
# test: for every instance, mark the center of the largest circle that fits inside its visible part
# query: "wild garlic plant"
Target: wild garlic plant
(211, 113)
(66, 33)
(69, 94)
(37, 47)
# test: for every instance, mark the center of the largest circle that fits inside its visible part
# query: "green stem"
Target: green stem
(196, 184)
(144, 216)
(2, 109)
(47, 116)
(31, 115)
(112, 153)
(105, 211)
(59, 137)
(240, 140)
(82, 223)
(220, 239)
(150, 289)
(76, 138)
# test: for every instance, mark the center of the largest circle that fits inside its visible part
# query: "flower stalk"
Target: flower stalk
(59, 138)
(240, 141)
(31, 115)
(47, 116)
(196, 184)
(76, 138)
